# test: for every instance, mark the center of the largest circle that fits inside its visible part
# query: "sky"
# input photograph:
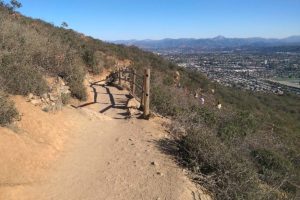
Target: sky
(157, 19)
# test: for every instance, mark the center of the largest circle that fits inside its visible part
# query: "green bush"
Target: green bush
(238, 125)
(65, 98)
(271, 160)
(162, 102)
(8, 112)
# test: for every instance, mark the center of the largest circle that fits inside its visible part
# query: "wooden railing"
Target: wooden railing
(139, 86)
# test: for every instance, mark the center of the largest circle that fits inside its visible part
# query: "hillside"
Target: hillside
(247, 150)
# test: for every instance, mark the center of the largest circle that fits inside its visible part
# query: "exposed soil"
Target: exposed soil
(90, 152)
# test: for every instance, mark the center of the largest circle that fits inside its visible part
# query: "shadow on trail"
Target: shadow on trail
(115, 100)
(173, 148)
(112, 101)
(93, 86)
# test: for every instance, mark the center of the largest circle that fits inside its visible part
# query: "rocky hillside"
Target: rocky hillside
(246, 149)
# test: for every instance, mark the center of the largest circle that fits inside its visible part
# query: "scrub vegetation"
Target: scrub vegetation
(250, 149)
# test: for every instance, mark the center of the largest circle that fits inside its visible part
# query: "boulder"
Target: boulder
(45, 95)
(36, 102)
(61, 81)
(133, 103)
(30, 96)
(65, 90)
(53, 97)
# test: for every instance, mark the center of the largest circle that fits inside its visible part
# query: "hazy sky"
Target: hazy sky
(156, 19)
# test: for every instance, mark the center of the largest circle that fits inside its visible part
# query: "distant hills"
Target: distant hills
(219, 42)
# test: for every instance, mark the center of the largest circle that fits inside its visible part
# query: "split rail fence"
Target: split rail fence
(139, 86)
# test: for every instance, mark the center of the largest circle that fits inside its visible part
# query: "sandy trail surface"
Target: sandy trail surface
(104, 157)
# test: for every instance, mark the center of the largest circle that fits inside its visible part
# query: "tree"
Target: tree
(15, 4)
(64, 25)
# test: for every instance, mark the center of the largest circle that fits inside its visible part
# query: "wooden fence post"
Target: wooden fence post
(147, 93)
(133, 82)
(120, 76)
(143, 94)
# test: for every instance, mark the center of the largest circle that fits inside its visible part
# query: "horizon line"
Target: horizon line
(199, 38)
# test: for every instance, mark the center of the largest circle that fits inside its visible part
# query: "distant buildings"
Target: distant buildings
(247, 71)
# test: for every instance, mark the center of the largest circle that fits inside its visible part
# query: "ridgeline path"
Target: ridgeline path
(109, 157)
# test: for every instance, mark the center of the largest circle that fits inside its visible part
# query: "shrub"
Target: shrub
(21, 79)
(65, 98)
(8, 111)
(238, 125)
(226, 174)
(89, 58)
(161, 102)
(271, 160)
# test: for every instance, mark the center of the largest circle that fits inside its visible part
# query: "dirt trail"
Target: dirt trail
(110, 158)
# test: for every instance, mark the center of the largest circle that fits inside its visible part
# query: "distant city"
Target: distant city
(275, 72)
(256, 64)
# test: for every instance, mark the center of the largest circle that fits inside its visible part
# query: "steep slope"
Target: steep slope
(247, 150)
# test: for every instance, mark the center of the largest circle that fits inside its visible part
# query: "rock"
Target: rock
(154, 163)
(45, 96)
(36, 102)
(53, 97)
(65, 90)
(30, 96)
(160, 173)
(46, 108)
(133, 103)
(61, 81)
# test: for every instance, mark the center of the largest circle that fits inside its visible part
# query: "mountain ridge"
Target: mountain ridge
(208, 43)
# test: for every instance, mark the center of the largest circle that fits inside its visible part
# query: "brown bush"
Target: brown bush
(7, 110)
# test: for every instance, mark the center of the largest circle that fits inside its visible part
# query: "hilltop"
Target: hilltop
(249, 149)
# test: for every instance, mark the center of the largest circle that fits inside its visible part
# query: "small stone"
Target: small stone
(45, 108)
(61, 81)
(45, 96)
(30, 96)
(154, 163)
(160, 174)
